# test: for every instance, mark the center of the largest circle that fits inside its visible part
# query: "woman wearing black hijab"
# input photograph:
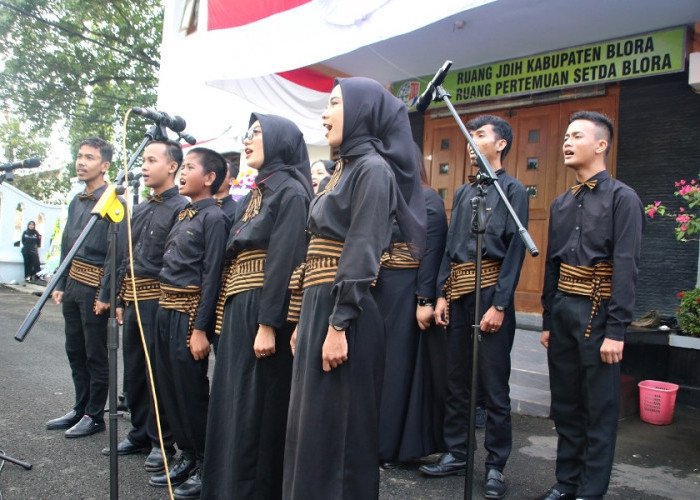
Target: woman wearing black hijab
(331, 449)
(412, 407)
(250, 387)
(31, 242)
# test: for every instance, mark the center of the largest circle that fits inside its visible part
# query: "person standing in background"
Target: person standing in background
(31, 243)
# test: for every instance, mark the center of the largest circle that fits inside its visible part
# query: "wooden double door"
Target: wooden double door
(535, 159)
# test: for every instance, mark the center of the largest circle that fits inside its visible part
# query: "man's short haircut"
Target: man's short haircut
(604, 126)
(106, 149)
(501, 127)
(211, 162)
(233, 169)
(173, 149)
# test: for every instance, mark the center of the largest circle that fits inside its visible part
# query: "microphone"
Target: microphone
(174, 123)
(28, 163)
(427, 96)
(188, 138)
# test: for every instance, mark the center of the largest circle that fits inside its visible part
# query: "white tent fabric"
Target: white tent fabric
(215, 78)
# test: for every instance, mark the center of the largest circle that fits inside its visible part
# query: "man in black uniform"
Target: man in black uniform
(189, 283)
(503, 256)
(223, 195)
(81, 292)
(151, 222)
(595, 233)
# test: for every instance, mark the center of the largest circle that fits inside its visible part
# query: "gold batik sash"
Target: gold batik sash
(85, 273)
(399, 257)
(185, 300)
(594, 282)
(245, 272)
(145, 289)
(462, 279)
(320, 267)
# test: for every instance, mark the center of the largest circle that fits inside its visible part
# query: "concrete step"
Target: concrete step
(529, 401)
(529, 377)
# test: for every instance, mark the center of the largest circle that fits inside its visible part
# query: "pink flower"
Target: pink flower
(684, 228)
(680, 295)
(682, 209)
(651, 213)
(657, 203)
(692, 181)
(683, 218)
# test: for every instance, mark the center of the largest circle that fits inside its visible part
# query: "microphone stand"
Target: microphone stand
(485, 177)
(108, 207)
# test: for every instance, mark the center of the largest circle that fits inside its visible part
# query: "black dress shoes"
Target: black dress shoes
(190, 488)
(555, 494)
(126, 447)
(85, 427)
(154, 461)
(179, 472)
(495, 486)
(65, 422)
(446, 466)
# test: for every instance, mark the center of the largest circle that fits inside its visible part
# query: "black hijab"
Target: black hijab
(284, 149)
(375, 120)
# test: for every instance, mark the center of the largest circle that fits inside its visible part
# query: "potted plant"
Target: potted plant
(687, 229)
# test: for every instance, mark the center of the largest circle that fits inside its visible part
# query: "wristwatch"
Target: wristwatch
(500, 309)
(423, 301)
(337, 328)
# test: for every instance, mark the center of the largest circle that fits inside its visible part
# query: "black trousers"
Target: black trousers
(585, 397)
(494, 373)
(32, 264)
(183, 384)
(144, 430)
(86, 347)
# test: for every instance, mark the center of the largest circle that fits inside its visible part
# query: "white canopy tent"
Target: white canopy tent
(235, 58)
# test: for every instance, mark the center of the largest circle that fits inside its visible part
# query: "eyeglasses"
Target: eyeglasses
(251, 133)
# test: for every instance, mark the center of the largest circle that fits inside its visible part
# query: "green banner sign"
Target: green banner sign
(633, 57)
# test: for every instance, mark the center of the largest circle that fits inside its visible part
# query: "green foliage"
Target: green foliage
(18, 144)
(50, 187)
(689, 312)
(79, 62)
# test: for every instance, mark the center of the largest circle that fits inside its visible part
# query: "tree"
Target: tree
(82, 62)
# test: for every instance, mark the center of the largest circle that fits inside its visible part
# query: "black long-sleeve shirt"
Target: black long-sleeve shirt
(600, 225)
(31, 242)
(151, 223)
(279, 228)
(194, 254)
(95, 248)
(501, 239)
(358, 211)
(228, 207)
(436, 233)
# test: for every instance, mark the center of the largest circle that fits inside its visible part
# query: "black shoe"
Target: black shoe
(190, 488)
(495, 486)
(126, 447)
(65, 422)
(85, 427)
(480, 417)
(154, 461)
(179, 472)
(446, 466)
(555, 494)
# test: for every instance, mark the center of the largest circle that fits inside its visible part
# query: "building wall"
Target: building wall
(11, 263)
(659, 143)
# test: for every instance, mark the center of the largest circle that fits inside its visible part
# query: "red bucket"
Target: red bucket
(657, 401)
